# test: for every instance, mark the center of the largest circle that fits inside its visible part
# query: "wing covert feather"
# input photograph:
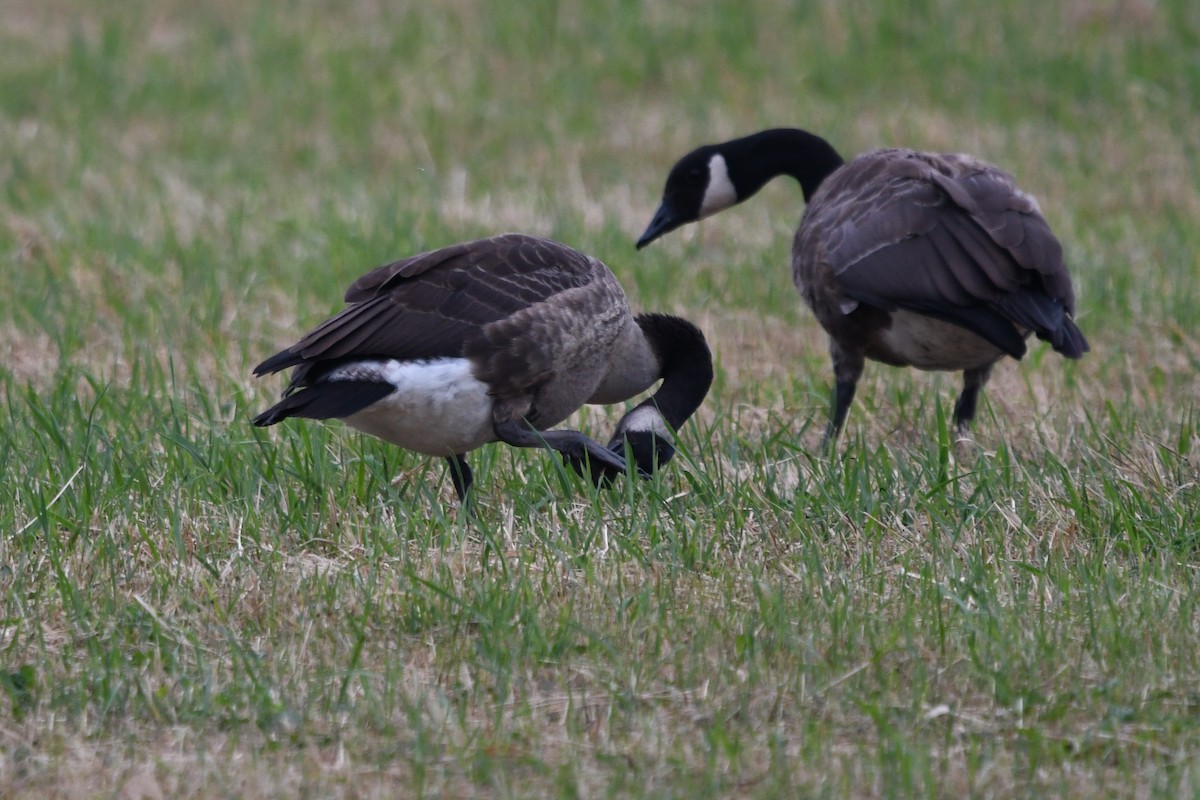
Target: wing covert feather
(433, 304)
(914, 230)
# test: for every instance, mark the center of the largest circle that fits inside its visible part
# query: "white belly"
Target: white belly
(928, 343)
(438, 407)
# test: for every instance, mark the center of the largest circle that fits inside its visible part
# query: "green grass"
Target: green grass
(195, 607)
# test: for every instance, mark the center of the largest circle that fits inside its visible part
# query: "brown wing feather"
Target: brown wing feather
(433, 304)
(938, 234)
(991, 198)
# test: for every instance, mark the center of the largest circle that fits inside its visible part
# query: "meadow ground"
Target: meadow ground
(194, 607)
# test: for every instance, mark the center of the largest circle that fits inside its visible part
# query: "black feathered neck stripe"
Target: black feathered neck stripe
(686, 363)
(754, 160)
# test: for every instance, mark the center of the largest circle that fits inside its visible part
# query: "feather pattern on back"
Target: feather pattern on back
(938, 234)
(455, 301)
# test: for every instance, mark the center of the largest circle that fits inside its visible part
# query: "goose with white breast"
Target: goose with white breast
(498, 339)
(936, 261)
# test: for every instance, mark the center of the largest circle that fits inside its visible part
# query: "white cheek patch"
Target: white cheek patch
(644, 419)
(719, 194)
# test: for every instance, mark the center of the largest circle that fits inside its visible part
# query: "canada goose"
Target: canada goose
(934, 261)
(496, 339)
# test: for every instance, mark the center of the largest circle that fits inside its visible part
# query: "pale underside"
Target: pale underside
(437, 408)
(932, 344)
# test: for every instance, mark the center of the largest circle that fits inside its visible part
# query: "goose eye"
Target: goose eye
(695, 177)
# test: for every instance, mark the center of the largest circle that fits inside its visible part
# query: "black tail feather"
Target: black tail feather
(280, 361)
(1067, 339)
(1047, 317)
(326, 400)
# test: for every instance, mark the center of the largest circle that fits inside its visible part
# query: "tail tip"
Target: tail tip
(265, 419)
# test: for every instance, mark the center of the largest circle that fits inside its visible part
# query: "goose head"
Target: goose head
(698, 186)
(685, 362)
(714, 177)
(648, 436)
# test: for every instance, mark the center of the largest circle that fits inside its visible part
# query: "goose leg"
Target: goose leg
(847, 369)
(460, 475)
(577, 450)
(964, 409)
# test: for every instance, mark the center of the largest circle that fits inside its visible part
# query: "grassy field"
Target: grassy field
(195, 607)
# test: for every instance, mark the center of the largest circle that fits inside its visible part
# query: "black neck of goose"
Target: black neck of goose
(758, 158)
(686, 363)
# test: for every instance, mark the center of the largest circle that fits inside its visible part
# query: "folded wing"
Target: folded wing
(432, 304)
(953, 238)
